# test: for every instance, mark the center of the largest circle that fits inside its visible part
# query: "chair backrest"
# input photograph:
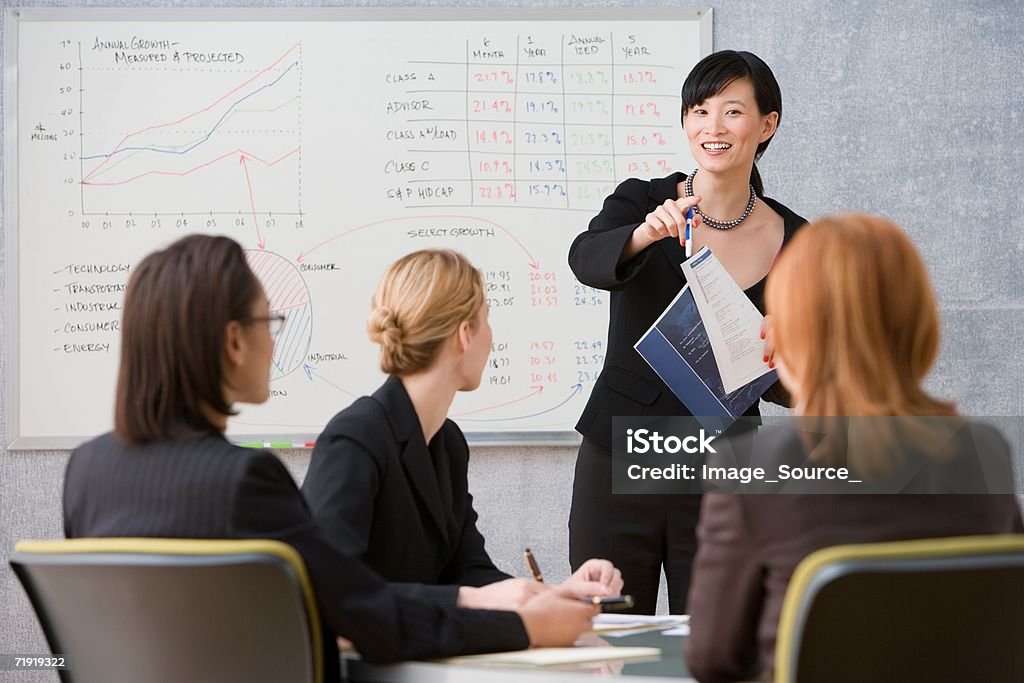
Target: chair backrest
(172, 610)
(949, 609)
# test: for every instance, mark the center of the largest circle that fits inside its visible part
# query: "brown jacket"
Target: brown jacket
(749, 546)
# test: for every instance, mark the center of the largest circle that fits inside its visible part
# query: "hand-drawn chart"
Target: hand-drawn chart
(328, 149)
(288, 296)
(213, 161)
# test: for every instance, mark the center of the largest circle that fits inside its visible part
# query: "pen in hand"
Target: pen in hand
(610, 601)
(688, 233)
(531, 564)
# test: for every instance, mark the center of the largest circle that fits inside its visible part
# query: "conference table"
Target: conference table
(668, 667)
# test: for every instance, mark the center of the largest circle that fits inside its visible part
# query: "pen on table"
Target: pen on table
(531, 564)
(688, 235)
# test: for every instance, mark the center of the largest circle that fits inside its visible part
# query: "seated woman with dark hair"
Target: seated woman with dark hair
(855, 330)
(196, 339)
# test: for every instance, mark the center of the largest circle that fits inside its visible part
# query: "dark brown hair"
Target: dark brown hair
(176, 309)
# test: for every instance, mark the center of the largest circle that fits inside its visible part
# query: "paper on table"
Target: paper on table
(617, 625)
(618, 619)
(683, 630)
(732, 322)
(553, 656)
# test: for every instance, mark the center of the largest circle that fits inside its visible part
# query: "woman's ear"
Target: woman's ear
(462, 336)
(234, 344)
(771, 124)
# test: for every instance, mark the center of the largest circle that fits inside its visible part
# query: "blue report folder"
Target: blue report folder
(678, 349)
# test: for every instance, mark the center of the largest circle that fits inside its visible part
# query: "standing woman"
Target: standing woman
(388, 477)
(731, 105)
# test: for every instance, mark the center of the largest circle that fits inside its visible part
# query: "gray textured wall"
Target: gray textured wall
(912, 109)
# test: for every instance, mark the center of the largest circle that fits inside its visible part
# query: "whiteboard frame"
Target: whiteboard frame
(14, 15)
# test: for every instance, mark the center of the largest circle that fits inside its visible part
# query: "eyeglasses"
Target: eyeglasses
(274, 322)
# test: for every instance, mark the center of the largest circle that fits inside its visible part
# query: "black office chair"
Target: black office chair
(949, 609)
(169, 610)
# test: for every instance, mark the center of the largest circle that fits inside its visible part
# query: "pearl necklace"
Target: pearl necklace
(714, 222)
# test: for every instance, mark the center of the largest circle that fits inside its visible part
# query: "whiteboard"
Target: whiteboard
(328, 143)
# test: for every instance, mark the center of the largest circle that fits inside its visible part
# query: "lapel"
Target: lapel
(415, 457)
(658, 191)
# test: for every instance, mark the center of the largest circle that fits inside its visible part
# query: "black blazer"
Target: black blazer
(209, 488)
(640, 291)
(382, 494)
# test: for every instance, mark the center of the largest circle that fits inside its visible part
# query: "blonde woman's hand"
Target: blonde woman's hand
(597, 577)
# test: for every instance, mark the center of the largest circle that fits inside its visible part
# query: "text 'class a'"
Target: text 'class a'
(407, 77)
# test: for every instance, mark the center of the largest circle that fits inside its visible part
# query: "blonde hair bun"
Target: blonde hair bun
(383, 328)
(421, 300)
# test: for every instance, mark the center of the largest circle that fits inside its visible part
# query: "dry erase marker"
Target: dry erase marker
(688, 235)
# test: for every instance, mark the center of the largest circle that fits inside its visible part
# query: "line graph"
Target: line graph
(195, 141)
(189, 147)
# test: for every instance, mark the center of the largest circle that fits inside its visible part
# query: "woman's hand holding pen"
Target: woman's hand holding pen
(595, 577)
(554, 620)
(507, 594)
(667, 220)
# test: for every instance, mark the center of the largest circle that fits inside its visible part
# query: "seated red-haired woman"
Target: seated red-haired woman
(856, 329)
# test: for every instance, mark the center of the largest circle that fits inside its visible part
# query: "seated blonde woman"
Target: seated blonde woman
(388, 477)
(196, 339)
(856, 329)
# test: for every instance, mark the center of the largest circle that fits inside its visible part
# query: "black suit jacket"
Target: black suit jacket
(749, 545)
(209, 488)
(381, 493)
(640, 291)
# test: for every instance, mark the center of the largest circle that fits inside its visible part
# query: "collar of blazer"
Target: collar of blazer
(415, 455)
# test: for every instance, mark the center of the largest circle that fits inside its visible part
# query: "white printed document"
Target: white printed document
(612, 625)
(555, 656)
(732, 322)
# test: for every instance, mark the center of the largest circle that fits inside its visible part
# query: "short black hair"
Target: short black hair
(714, 73)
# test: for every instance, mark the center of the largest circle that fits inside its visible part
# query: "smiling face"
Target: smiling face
(724, 130)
